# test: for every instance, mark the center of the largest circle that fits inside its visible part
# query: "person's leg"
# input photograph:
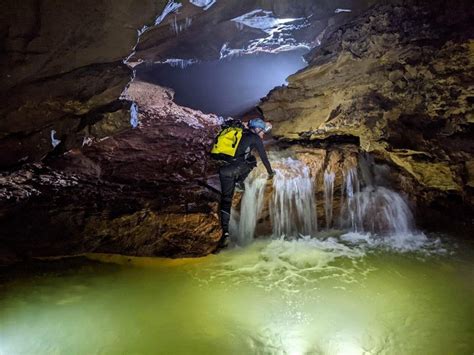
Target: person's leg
(243, 171)
(227, 179)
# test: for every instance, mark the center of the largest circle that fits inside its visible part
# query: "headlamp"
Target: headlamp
(268, 127)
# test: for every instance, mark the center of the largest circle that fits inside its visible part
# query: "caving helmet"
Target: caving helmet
(258, 123)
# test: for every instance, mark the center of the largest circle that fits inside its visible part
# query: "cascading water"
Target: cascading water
(328, 196)
(374, 209)
(250, 208)
(366, 210)
(350, 215)
(293, 207)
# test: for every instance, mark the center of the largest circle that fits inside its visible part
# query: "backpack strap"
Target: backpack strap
(235, 139)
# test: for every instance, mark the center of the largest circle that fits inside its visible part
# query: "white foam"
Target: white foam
(284, 264)
(400, 242)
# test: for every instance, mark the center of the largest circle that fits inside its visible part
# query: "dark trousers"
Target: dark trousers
(229, 175)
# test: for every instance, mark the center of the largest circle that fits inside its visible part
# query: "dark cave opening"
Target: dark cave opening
(227, 87)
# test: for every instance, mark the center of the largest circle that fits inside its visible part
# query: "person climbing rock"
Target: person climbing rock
(238, 166)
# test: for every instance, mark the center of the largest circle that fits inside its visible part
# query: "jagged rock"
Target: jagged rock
(60, 70)
(170, 145)
(141, 192)
(398, 79)
(194, 33)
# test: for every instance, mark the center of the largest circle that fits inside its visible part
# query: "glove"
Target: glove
(271, 175)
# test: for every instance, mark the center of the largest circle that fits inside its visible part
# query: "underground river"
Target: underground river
(361, 240)
(332, 295)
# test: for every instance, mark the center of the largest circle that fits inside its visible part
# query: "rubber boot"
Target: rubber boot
(223, 242)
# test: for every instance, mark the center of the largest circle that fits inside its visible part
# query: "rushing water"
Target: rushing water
(364, 206)
(328, 196)
(243, 224)
(292, 208)
(345, 295)
(379, 287)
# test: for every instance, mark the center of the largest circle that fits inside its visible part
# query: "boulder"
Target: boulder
(141, 192)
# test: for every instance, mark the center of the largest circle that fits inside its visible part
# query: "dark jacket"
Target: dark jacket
(249, 142)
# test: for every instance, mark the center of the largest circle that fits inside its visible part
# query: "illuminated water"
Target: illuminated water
(354, 294)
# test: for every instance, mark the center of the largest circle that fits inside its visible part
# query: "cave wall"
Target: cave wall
(399, 79)
(209, 30)
(61, 69)
(141, 192)
(103, 186)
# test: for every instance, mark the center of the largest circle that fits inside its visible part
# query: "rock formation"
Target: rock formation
(398, 79)
(206, 34)
(141, 192)
(61, 70)
(62, 67)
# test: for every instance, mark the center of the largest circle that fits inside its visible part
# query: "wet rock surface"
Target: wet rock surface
(141, 192)
(399, 80)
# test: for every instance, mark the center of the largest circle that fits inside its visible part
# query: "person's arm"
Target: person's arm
(263, 155)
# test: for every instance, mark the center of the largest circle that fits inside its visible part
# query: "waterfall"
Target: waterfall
(352, 188)
(250, 208)
(385, 211)
(374, 209)
(328, 196)
(293, 206)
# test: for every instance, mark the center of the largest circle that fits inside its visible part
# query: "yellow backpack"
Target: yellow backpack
(227, 142)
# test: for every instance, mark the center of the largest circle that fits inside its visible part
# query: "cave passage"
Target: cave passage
(226, 87)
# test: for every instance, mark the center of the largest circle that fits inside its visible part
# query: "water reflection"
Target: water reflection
(272, 297)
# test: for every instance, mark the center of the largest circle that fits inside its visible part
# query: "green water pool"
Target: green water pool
(336, 296)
